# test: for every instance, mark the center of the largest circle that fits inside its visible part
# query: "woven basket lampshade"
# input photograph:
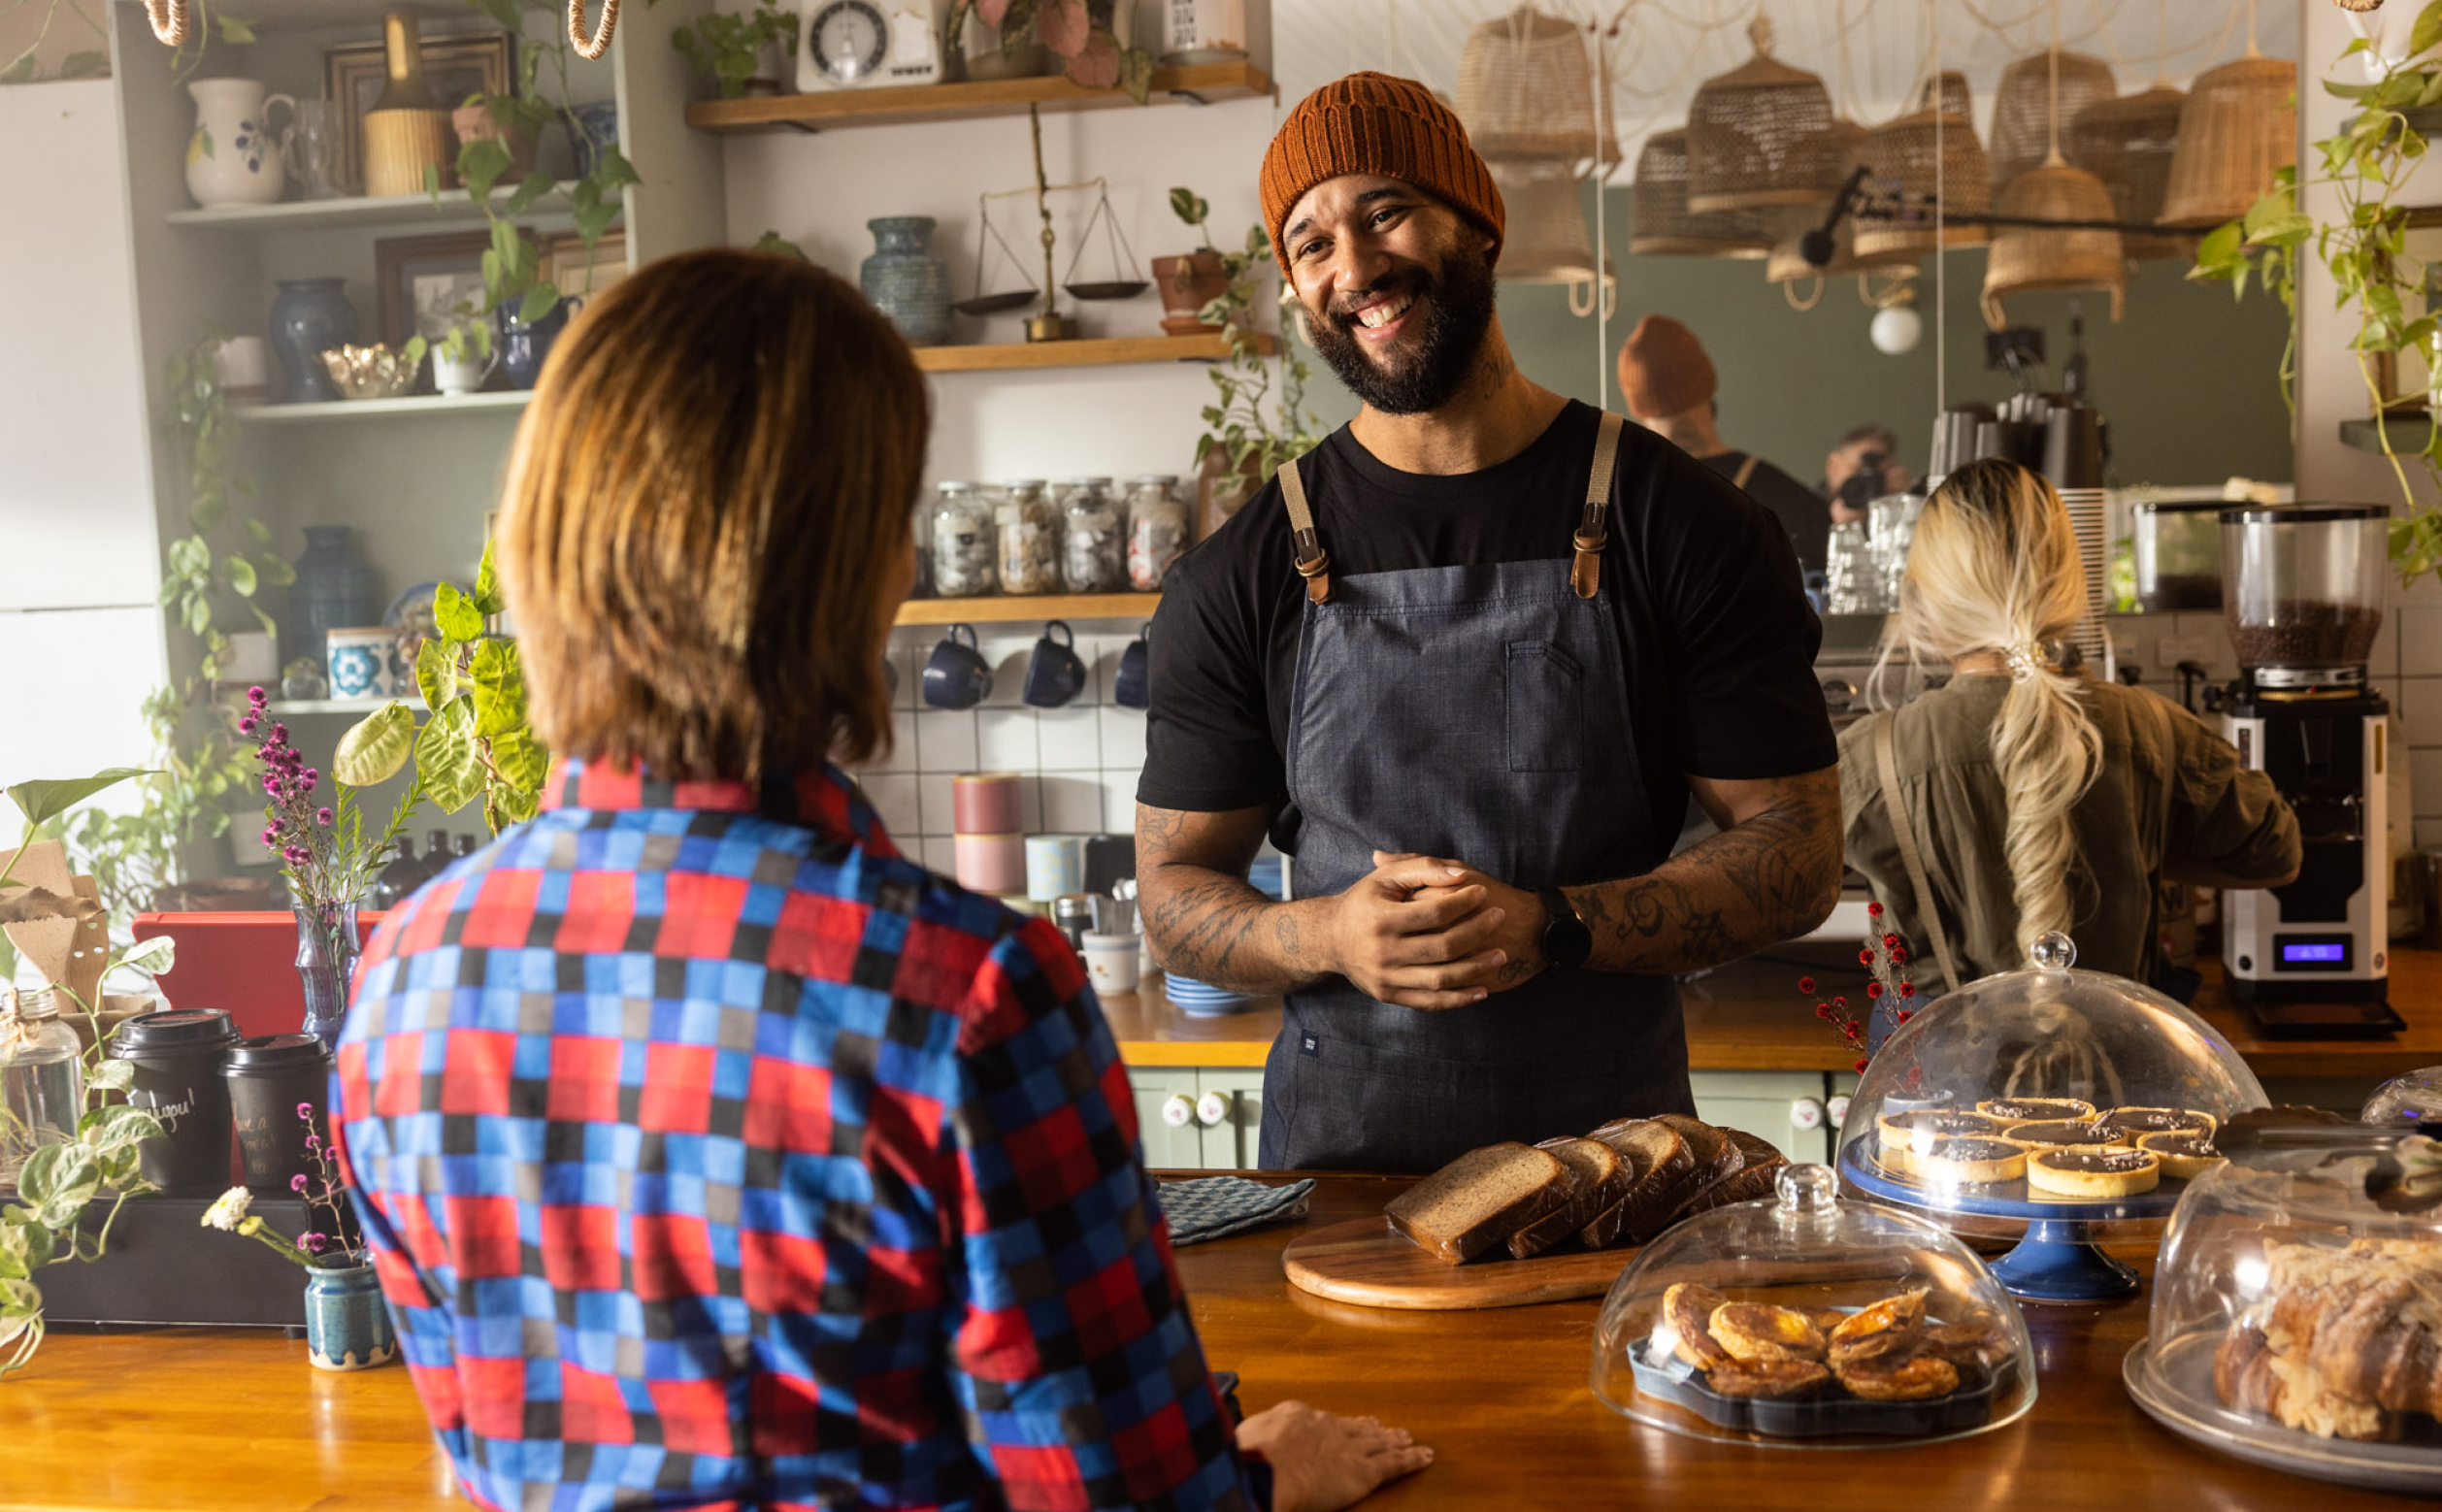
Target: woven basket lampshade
(2128, 142)
(1660, 224)
(1758, 136)
(1526, 89)
(1904, 154)
(2022, 109)
(2033, 259)
(2237, 128)
(1952, 87)
(1793, 221)
(1546, 240)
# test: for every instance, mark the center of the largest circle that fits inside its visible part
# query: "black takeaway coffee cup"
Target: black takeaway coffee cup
(270, 1079)
(1054, 674)
(956, 675)
(177, 1057)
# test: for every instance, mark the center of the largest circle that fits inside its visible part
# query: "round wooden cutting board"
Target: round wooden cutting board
(1367, 1262)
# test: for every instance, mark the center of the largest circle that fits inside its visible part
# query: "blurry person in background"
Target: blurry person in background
(1864, 467)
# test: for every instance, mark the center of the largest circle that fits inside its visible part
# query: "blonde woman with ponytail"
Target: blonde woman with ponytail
(2023, 797)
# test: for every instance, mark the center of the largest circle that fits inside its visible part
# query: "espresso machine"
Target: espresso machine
(2303, 596)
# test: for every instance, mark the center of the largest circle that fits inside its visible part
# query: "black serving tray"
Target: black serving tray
(163, 1267)
(1674, 1381)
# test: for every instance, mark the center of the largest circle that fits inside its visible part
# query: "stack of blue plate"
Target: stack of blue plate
(1202, 999)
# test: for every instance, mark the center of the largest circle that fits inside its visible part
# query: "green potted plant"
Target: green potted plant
(1191, 283)
(1242, 445)
(462, 359)
(1085, 37)
(753, 53)
(347, 1325)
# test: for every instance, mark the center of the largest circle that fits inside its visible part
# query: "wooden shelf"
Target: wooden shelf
(1098, 351)
(1037, 608)
(455, 208)
(832, 108)
(507, 401)
(2409, 434)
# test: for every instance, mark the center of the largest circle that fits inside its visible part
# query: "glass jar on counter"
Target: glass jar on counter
(42, 1078)
(962, 543)
(1157, 530)
(1093, 549)
(1029, 525)
(920, 525)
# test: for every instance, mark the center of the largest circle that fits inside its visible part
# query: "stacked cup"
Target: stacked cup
(989, 837)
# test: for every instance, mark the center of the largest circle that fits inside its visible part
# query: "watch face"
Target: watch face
(848, 39)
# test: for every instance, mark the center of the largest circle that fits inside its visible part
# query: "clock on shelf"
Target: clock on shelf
(855, 44)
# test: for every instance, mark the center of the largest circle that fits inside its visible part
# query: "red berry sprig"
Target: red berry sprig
(1886, 957)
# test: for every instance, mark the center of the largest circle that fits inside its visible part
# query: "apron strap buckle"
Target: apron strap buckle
(1585, 565)
(1313, 564)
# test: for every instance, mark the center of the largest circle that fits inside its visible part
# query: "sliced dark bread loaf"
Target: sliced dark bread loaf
(1754, 1179)
(1662, 1160)
(1480, 1198)
(1603, 1179)
(1718, 1157)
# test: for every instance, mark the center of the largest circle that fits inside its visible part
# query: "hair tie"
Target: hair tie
(2025, 658)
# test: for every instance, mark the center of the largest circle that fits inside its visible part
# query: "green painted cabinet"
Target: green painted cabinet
(1786, 1108)
(1214, 1123)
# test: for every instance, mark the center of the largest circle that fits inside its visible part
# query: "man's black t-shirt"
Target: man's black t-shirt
(1718, 639)
(1802, 511)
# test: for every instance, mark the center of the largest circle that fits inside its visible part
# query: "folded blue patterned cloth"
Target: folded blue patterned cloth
(1213, 1206)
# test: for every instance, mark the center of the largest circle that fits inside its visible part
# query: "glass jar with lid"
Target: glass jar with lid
(42, 1078)
(1029, 525)
(963, 544)
(1157, 529)
(1093, 546)
(2292, 1322)
(1805, 1320)
(920, 525)
(2077, 1102)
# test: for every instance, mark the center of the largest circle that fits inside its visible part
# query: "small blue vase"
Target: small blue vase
(906, 280)
(591, 127)
(524, 347)
(327, 946)
(347, 1325)
(309, 316)
(334, 590)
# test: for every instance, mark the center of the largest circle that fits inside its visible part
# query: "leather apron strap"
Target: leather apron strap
(1312, 561)
(1905, 829)
(1746, 470)
(1585, 566)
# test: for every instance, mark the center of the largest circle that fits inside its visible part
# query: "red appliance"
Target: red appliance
(243, 964)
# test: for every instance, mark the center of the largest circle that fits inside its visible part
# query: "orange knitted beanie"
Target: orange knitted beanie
(1663, 370)
(1372, 123)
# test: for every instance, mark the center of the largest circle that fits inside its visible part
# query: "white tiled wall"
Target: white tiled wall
(1077, 764)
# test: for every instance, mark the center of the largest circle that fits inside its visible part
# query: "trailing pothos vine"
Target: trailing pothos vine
(2364, 250)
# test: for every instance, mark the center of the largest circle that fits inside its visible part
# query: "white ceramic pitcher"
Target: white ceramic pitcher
(233, 157)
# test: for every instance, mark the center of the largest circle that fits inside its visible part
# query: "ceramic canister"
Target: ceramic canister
(993, 863)
(985, 802)
(1055, 864)
(1110, 962)
(359, 661)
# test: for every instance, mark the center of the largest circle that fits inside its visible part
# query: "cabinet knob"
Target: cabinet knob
(1212, 1109)
(1805, 1113)
(1178, 1112)
(1838, 1107)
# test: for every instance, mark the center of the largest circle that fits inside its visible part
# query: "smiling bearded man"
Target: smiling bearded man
(1467, 661)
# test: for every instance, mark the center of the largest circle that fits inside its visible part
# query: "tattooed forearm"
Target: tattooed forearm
(1774, 875)
(1202, 918)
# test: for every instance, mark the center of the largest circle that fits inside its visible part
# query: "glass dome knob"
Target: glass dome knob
(2052, 952)
(1805, 1189)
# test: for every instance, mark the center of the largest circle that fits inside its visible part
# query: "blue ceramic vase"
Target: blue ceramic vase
(309, 316)
(907, 280)
(525, 346)
(334, 590)
(347, 1325)
(327, 946)
(591, 127)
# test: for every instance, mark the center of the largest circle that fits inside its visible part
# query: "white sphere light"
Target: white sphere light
(1897, 330)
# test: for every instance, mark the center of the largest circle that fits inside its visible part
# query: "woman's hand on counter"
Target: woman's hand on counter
(1321, 1462)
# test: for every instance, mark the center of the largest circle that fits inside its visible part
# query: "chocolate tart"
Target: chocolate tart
(2135, 1121)
(2064, 1134)
(1969, 1161)
(1915, 1129)
(2093, 1173)
(2025, 1110)
(2184, 1152)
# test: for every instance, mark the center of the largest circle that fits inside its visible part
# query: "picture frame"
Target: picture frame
(456, 64)
(580, 272)
(2406, 377)
(421, 277)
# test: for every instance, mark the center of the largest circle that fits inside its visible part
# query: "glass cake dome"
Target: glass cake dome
(2295, 1320)
(2059, 1098)
(1807, 1320)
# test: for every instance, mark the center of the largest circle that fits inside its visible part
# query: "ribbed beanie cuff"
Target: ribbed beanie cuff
(1373, 123)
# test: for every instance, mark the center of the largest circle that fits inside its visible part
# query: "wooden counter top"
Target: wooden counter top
(1748, 1017)
(198, 1421)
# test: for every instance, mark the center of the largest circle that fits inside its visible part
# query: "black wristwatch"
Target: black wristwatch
(1567, 942)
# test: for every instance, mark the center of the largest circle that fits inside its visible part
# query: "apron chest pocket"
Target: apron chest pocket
(1547, 709)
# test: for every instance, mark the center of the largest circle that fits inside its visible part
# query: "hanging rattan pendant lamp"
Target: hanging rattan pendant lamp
(1951, 91)
(1924, 157)
(1659, 223)
(1527, 91)
(1787, 262)
(1757, 136)
(2023, 110)
(1546, 240)
(2033, 259)
(2128, 143)
(2237, 129)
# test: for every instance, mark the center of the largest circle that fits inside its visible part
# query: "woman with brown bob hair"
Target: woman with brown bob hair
(712, 1153)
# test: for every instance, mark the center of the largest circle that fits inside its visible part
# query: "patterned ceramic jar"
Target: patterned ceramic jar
(907, 280)
(346, 1327)
(359, 661)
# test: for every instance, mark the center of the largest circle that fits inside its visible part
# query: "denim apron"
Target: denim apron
(1478, 713)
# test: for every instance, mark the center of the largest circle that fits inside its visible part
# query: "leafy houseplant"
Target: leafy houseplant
(346, 1327)
(1240, 446)
(1190, 283)
(731, 48)
(1080, 33)
(2364, 250)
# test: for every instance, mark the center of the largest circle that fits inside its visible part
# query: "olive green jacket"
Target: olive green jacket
(2170, 801)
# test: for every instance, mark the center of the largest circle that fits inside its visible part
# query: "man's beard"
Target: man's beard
(1458, 311)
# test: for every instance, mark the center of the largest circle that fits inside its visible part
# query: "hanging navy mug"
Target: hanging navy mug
(1133, 688)
(956, 675)
(524, 345)
(1054, 674)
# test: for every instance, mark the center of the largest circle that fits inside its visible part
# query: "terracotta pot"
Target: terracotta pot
(1189, 283)
(1219, 493)
(475, 124)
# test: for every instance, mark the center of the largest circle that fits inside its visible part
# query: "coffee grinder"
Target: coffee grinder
(2303, 595)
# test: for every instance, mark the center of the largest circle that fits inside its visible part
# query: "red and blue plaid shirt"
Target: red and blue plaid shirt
(713, 1156)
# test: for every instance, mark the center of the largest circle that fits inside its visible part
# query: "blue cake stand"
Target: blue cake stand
(2057, 1260)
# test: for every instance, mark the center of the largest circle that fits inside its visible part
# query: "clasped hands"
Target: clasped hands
(1424, 931)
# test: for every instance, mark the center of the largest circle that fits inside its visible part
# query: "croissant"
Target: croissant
(2347, 1342)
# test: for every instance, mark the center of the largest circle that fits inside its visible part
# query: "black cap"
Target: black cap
(176, 1033)
(275, 1053)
